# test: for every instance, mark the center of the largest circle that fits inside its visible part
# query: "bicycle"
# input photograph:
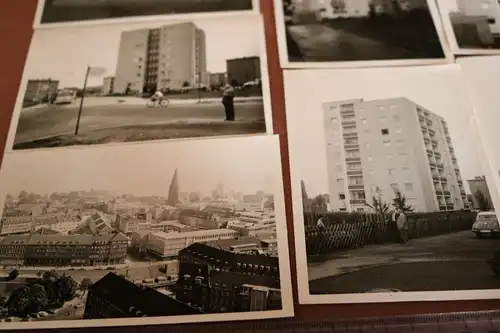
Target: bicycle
(163, 103)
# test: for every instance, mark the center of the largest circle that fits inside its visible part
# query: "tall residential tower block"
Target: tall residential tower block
(381, 147)
(168, 57)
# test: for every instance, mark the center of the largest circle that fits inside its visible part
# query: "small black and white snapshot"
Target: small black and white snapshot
(393, 200)
(67, 12)
(349, 33)
(472, 27)
(144, 81)
(142, 234)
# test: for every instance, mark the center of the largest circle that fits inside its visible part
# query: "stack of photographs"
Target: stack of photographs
(128, 196)
(393, 184)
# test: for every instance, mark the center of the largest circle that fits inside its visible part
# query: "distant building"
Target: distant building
(243, 70)
(63, 250)
(218, 281)
(342, 8)
(479, 185)
(116, 297)
(108, 85)
(217, 79)
(168, 57)
(169, 244)
(40, 90)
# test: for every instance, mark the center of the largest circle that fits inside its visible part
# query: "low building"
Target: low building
(39, 249)
(108, 85)
(27, 223)
(479, 187)
(169, 244)
(251, 229)
(243, 70)
(217, 79)
(40, 90)
(116, 297)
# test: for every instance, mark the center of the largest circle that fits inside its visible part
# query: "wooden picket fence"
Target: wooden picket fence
(352, 230)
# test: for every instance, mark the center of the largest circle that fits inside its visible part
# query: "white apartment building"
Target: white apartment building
(377, 148)
(487, 8)
(168, 57)
(168, 244)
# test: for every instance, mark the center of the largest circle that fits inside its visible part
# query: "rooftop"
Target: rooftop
(195, 233)
(130, 298)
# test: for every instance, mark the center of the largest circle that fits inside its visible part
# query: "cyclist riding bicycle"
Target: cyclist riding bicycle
(157, 97)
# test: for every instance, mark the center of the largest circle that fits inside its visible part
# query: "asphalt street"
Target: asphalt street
(319, 42)
(456, 261)
(53, 126)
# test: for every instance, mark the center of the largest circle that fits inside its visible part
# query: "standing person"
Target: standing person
(402, 223)
(228, 100)
(320, 223)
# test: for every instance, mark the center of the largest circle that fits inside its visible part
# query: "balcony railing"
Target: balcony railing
(433, 165)
(354, 172)
(357, 202)
(463, 194)
(447, 193)
(450, 207)
(442, 207)
(443, 179)
(439, 192)
(348, 122)
(429, 152)
(351, 145)
(356, 187)
(353, 159)
(350, 134)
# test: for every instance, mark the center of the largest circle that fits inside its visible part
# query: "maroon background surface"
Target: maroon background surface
(16, 19)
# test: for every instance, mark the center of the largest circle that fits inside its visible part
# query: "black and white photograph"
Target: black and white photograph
(139, 234)
(139, 82)
(58, 13)
(472, 27)
(359, 33)
(393, 200)
(482, 75)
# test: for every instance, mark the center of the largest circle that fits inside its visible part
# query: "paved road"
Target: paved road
(318, 42)
(448, 262)
(54, 126)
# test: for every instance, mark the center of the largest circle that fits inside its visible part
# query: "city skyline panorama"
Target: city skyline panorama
(140, 170)
(64, 54)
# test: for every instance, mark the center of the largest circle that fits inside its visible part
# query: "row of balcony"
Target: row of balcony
(446, 193)
(446, 207)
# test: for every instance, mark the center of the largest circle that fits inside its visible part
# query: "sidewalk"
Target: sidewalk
(107, 101)
(437, 248)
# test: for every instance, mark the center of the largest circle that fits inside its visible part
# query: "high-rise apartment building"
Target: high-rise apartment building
(381, 147)
(168, 57)
(487, 8)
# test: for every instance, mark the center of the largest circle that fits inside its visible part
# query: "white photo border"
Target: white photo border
(287, 64)
(265, 82)
(37, 21)
(268, 142)
(304, 295)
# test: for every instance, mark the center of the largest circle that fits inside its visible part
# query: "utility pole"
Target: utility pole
(81, 100)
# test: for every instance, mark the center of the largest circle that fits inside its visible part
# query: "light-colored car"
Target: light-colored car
(486, 224)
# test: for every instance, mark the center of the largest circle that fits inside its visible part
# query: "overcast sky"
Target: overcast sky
(64, 53)
(439, 89)
(244, 165)
(482, 75)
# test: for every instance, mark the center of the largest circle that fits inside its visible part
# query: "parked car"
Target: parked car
(65, 97)
(486, 224)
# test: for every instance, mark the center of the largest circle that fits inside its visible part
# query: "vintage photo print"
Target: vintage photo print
(140, 82)
(143, 234)
(482, 75)
(64, 13)
(391, 201)
(353, 33)
(472, 27)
